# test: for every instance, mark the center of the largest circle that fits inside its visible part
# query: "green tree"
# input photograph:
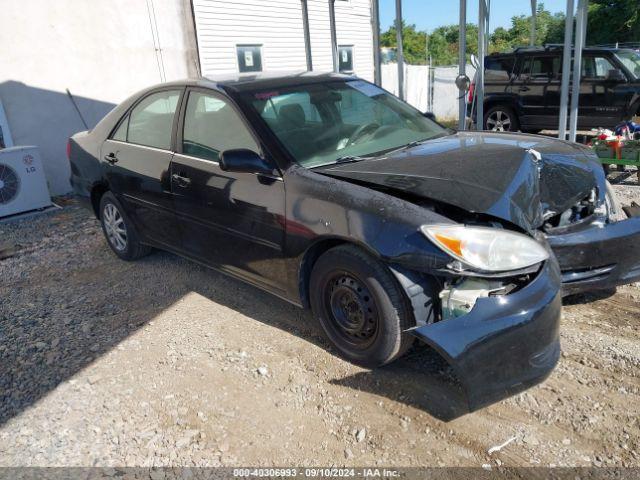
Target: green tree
(413, 43)
(611, 21)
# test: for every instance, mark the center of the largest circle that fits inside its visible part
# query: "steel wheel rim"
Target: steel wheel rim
(499, 121)
(114, 227)
(351, 309)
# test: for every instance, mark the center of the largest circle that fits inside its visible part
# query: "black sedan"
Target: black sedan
(330, 193)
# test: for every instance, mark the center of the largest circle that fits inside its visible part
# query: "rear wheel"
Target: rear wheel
(119, 231)
(501, 118)
(360, 306)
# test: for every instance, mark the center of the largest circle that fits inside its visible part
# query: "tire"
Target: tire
(119, 231)
(501, 118)
(361, 307)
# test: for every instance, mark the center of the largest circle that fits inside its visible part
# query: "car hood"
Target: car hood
(518, 178)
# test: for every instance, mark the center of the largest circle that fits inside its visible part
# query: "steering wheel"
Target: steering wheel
(360, 131)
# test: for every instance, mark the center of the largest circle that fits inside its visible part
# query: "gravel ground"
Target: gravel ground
(162, 362)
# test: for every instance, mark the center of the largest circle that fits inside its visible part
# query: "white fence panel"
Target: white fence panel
(441, 97)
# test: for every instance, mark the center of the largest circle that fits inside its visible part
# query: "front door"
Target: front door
(137, 160)
(602, 101)
(232, 221)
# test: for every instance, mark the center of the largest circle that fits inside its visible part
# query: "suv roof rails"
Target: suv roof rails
(545, 47)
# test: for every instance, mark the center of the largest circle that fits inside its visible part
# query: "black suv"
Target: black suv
(522, 88)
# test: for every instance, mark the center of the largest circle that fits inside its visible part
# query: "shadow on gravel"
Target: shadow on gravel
(588, 297)
(421, 379)
(62, 319)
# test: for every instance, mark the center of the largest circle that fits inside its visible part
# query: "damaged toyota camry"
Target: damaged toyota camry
(330, 193)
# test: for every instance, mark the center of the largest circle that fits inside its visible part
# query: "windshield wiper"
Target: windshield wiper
(348, 159)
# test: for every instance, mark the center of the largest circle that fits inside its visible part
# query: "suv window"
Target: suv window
(211, 126)
(498, 68)
(151, 121)
(596, 67)
(541, 67)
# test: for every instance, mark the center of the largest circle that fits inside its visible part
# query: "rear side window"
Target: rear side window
(151, 121)
(497, 69)
(541, 67)
(211, 126)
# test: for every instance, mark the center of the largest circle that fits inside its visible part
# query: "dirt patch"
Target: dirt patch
(164, 362)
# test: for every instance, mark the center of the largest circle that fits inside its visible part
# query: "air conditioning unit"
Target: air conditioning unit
(23, 186)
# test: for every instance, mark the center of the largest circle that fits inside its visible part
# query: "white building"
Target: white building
(102, 51)
(273, 32)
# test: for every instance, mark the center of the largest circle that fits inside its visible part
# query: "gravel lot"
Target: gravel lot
(163, 362)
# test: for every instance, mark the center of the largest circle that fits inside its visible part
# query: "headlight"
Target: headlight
(487, 249)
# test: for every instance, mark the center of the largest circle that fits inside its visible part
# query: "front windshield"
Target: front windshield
(631, 60)
(325, 123)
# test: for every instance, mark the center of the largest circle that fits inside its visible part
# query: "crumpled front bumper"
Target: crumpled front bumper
(506, 343)
(598, 257)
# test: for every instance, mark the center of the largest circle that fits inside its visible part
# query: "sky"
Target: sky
(430, 14)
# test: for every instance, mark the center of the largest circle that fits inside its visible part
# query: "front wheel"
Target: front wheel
(501, 119)
(360, 306)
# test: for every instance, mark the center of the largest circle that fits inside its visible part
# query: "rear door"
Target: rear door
(537, 86)
(232, 221)
(137, 158)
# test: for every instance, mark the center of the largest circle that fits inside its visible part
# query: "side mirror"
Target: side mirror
(244, 161)
(430, 115)
(616, 75)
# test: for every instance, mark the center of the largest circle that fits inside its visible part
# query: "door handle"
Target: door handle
(111, 158)
(180, 180)
(524, 89)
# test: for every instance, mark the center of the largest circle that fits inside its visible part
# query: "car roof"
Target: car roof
(259, 81)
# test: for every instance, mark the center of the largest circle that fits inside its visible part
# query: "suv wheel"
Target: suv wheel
(501, 119)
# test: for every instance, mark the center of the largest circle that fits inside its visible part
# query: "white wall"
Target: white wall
(277, 25)
(101, 50)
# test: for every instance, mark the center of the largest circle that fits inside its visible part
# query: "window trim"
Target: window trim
(232, 103)
(181, 89)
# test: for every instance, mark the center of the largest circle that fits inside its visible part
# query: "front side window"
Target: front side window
(211, 126)
(631, 60)
(596, 67)
(322, 123)
(151, 121)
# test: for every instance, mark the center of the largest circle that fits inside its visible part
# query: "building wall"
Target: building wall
(101, 50)
(277, 25)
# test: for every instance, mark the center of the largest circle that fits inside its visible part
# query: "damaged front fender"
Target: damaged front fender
(506, 343)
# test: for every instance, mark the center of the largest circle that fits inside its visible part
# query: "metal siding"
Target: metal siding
(277, 26)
